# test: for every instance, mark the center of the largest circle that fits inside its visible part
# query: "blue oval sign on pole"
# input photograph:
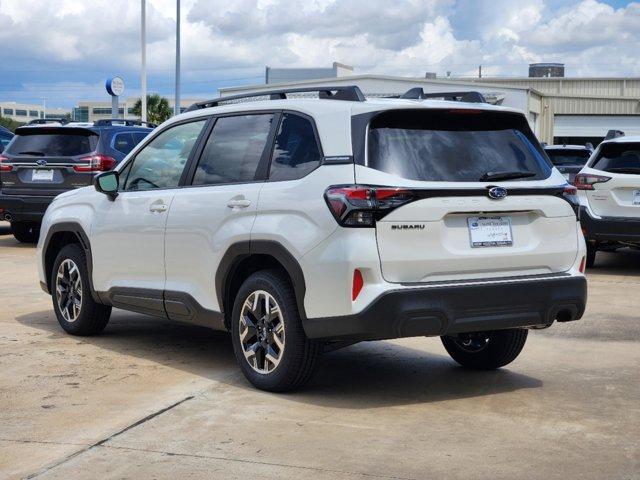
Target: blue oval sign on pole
(115, 86)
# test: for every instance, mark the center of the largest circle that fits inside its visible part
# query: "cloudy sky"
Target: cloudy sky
(64, 49)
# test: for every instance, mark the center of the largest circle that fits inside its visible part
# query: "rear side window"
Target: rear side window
(296, 151)
(455, 146)
(234, 149)
(566, 157)
(54, 144)
(619, 158)
(123, 142)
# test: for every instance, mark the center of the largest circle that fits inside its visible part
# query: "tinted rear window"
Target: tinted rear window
(53, 144)
(619, 158)
(566, 157)
(454, 146)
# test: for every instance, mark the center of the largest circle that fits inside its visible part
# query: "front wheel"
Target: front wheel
(269, 342)
(25, 232)
(77, 312)
(486, 350)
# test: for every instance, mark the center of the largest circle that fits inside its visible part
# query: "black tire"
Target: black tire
(26, 232)
(93, 316)
(299, 356)
(502, 348)
(591, 255)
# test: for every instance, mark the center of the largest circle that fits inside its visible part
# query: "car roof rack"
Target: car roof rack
(44, 121)
(418, 93)
(107, 122)
(349, 93)
(614, 134)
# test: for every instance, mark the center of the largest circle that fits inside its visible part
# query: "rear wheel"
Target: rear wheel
(486, 350)
(269, 342)
(591, 255)
(77, 312)
(26, 232)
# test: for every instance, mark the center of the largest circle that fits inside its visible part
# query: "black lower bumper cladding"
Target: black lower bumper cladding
(452, 309)
(609, 229)
(23, 208)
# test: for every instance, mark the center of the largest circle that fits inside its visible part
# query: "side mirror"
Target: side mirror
(107, 183)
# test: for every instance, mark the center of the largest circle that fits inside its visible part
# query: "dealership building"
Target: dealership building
(559, 109)
(25, 112)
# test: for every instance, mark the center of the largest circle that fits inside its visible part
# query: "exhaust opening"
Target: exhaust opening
(564, 316)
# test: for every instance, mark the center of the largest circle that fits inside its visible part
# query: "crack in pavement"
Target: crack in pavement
(257, 462)
(104, 440)
(41, 442)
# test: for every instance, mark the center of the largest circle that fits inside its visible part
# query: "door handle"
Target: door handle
(158, 207)
(239, 203)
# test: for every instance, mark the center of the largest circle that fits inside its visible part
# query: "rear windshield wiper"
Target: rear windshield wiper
(34, 153)
(505, 175)
(624, 170)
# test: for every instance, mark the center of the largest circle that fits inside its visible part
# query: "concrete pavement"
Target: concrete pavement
(155, 399)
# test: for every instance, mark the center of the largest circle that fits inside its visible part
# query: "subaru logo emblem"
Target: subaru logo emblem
(497, 192)
(41, 162)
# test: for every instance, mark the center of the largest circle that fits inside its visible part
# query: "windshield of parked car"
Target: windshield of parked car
(455, 146)
(619, 158)
(53, 144)
(563, 157)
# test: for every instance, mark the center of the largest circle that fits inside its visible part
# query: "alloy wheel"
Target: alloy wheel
(262, 335)
(69, 290)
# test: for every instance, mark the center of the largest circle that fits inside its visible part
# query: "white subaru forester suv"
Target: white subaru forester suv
(303, 225)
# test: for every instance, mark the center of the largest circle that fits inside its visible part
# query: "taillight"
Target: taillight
(5, 166)
(361, 206)
(586, 181)
(95, 163)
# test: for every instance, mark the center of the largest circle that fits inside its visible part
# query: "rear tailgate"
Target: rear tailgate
(452, 229)
(42, 161)
(619, 196)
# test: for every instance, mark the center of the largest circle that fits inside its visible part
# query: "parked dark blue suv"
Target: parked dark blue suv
(48, 157)
(5, 138)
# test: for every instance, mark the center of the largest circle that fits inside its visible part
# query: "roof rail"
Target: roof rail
(44, 121)
(106, 122)
(418, 93)
(350, 93)
(614, 134)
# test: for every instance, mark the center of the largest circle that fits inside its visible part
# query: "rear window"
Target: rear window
(53, 144)
(455, 146)
(565, 157)
(619, 158)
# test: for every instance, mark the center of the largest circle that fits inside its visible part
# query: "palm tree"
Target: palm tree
(158, 109)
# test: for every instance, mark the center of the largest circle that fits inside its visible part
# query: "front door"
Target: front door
(127, 235)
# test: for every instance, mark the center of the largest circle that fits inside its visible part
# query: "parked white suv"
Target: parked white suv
(609, 190)
(305, 225)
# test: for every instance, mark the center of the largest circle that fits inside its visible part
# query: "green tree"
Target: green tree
(158, 109)
(10, 124)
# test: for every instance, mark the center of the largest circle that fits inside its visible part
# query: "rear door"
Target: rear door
(469, 218)
(617, 193)
(217, 208)
(48, 160)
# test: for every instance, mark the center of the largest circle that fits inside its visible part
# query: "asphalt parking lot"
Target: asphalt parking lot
(154, 399)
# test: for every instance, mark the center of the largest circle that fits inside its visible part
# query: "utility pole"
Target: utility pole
(480, 71)
(143, 68)
(44, 107)
(176, 107)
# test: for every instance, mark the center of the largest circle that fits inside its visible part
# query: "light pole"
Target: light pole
(176, 107)
(143, 68)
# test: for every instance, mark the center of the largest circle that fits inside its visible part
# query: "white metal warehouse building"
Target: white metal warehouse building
(560, 110)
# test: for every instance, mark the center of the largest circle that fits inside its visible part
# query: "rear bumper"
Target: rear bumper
(22, 208)
(451, 309)
(609, 229)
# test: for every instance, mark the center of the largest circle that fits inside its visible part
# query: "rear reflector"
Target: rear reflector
(358, 283)
(96, 163)
(583, 263)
